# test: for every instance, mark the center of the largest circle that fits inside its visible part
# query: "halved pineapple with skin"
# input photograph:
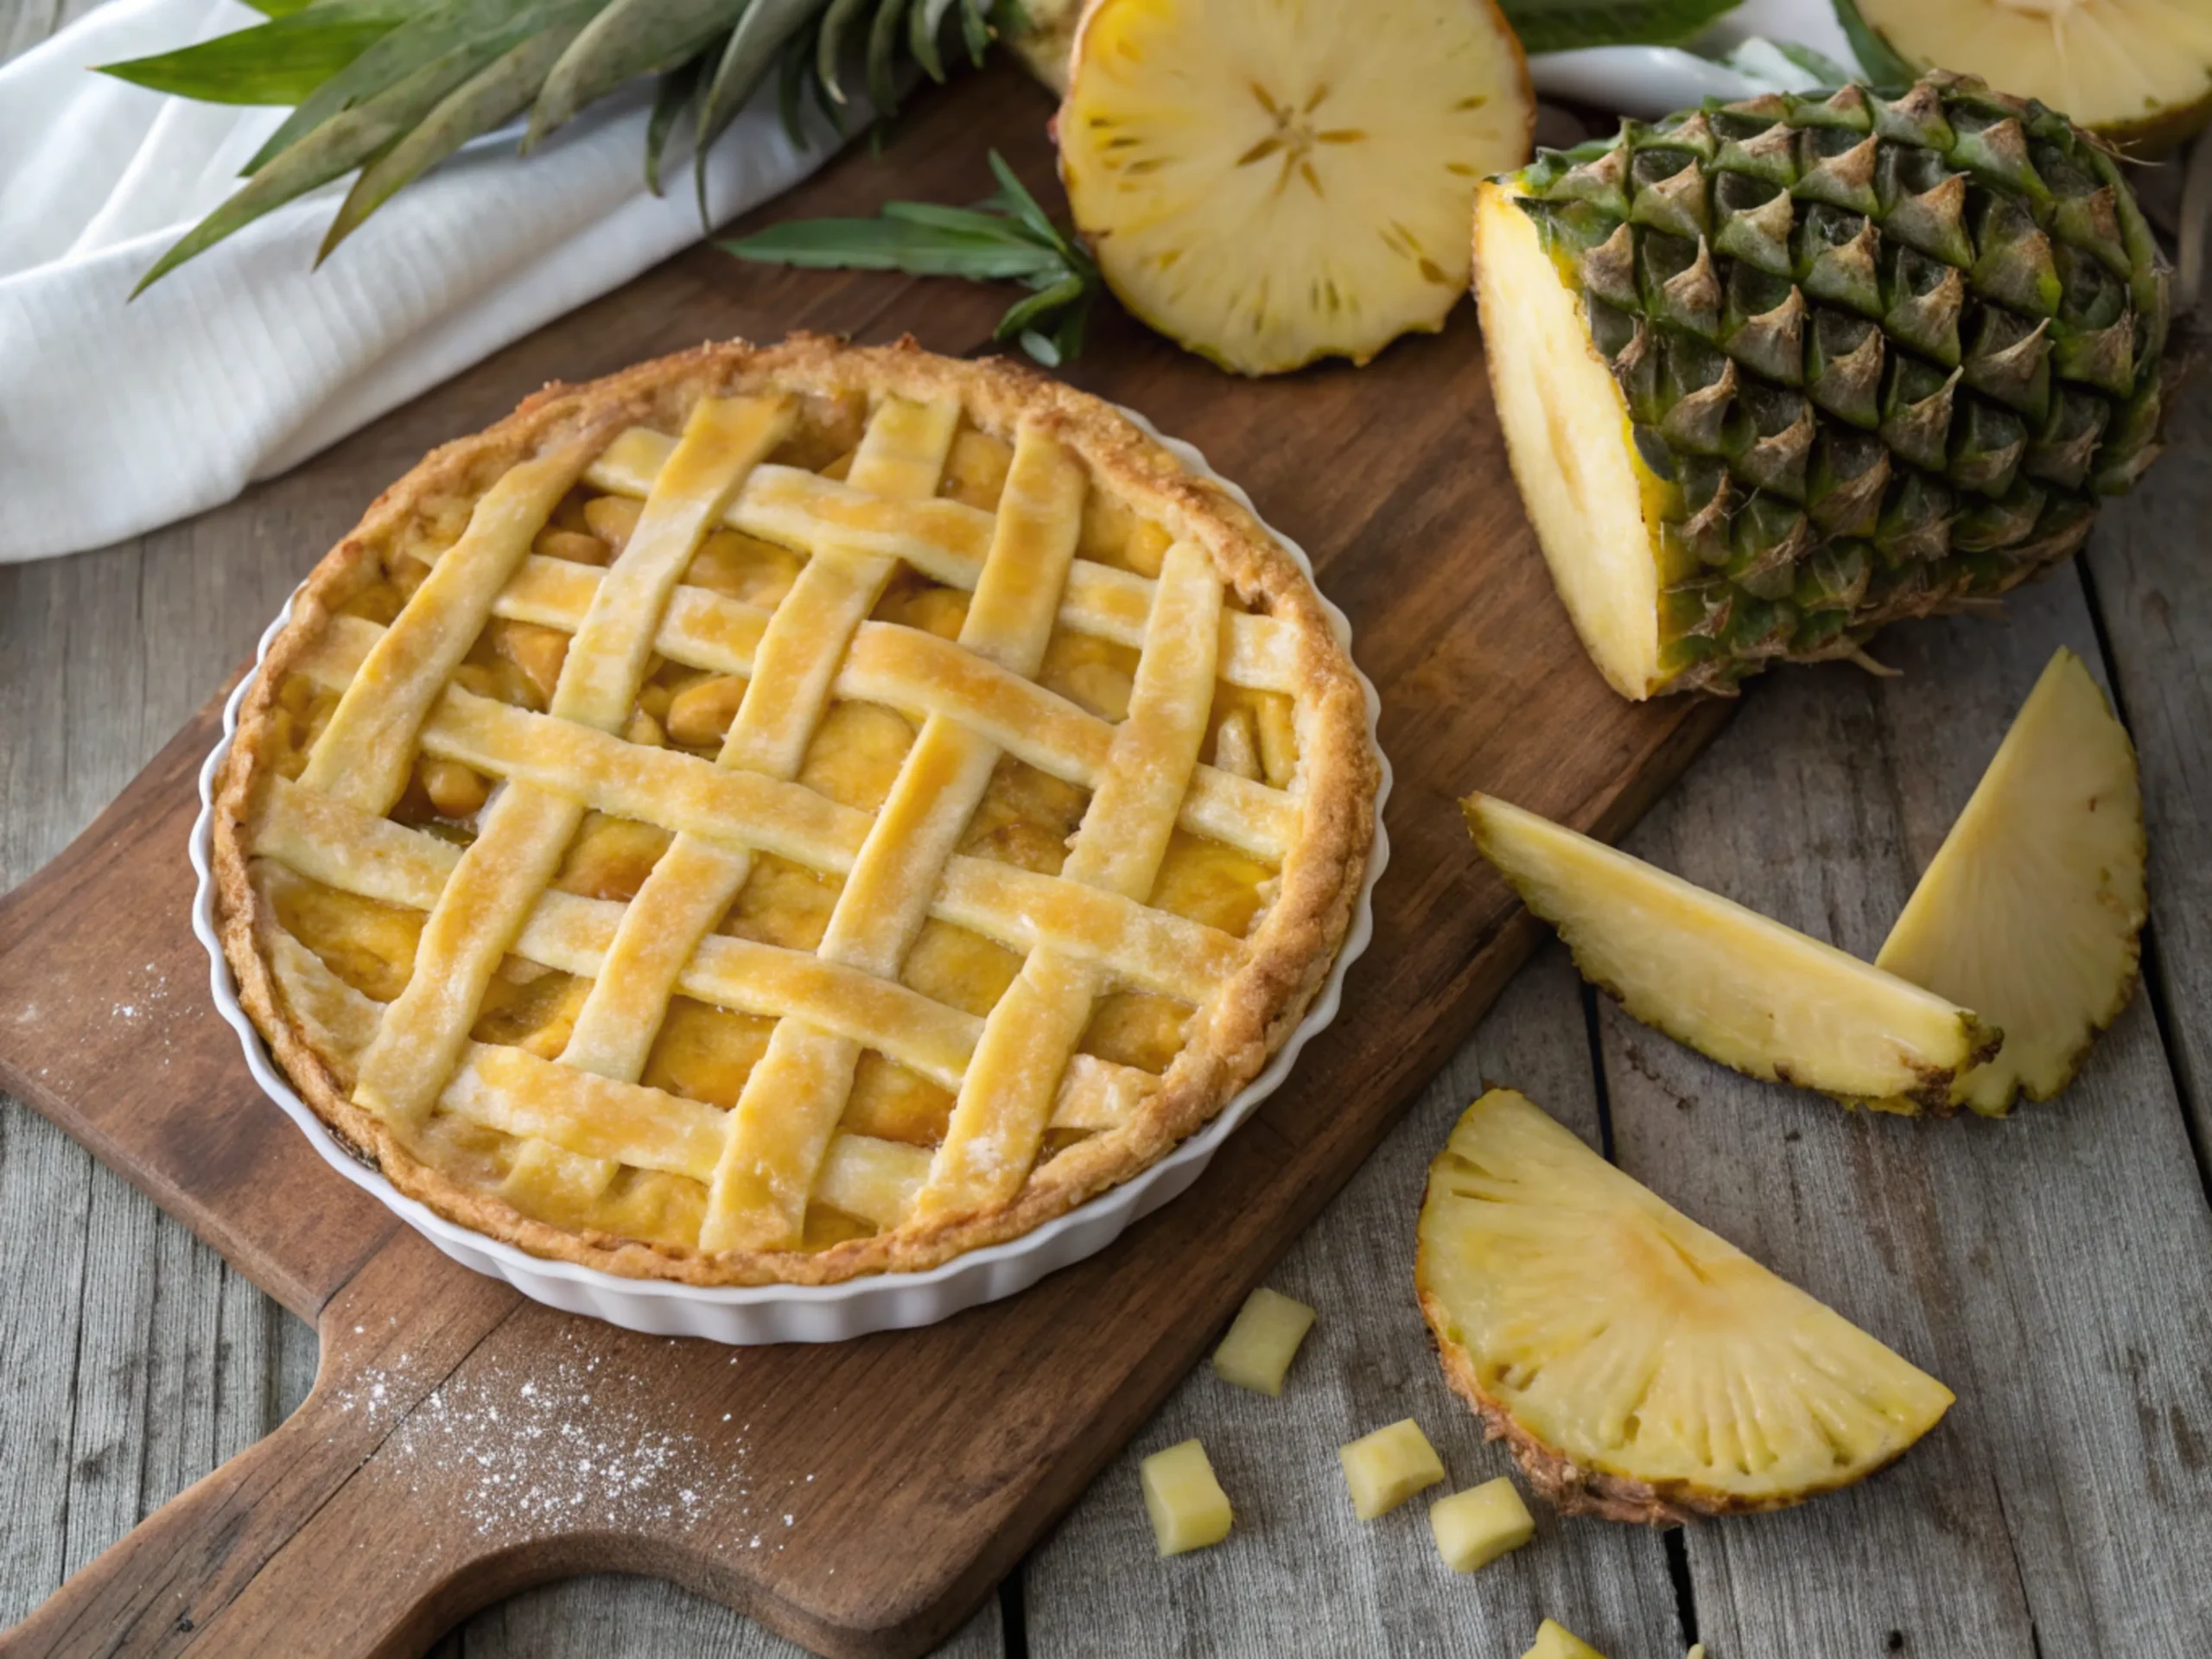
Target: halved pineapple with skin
(1641, 1367)
(2137, 71)
(1270, 181)
(1741, 989)
(2033, 907)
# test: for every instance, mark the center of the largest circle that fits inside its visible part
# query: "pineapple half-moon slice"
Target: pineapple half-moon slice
(2033, 908)
(1735, 986)
(1643, 1368)
(1270, 181)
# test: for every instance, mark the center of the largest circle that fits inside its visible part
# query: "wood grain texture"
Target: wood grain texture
(1416, 533)
(2048, 1267)
(1299, 1573)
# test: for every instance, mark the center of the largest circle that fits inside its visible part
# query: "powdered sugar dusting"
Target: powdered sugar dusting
(568, 1444)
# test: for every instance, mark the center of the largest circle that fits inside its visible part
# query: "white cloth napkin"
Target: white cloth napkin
(116, 418)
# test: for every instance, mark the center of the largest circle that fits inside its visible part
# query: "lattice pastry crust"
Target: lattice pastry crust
(785, 814)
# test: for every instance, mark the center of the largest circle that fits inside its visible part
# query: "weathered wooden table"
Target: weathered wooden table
(2054, 1268)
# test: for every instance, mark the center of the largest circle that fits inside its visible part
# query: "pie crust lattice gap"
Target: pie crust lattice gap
(522, 1048)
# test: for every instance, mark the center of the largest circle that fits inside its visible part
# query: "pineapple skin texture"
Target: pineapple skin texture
(1575, 1488)
(1860, 402)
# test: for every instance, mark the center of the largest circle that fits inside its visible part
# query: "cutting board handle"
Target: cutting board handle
(314, 1537)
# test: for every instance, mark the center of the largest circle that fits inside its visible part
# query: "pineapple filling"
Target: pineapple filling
(1027, 818)
(1567, 428)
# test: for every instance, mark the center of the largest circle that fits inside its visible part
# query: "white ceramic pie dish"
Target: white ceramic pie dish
(767, 1313)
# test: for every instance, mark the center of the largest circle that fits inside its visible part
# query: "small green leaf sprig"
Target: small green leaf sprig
(1005, 237)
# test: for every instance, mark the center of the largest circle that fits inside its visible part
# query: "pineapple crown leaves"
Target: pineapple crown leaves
(1008, 237)
(1562, 25)
(388, 88)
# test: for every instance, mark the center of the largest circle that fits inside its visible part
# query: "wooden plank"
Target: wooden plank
(2152, 590)
(2047, 1267)
(1300, 1574)
(605, 1616)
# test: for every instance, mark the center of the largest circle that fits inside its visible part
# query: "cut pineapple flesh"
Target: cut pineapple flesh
(2137, 71)
(1189, 1511)
(1556, 1641)
(1474, 1528)
(2033, 908)
(1271, 181)
(1643, 1368)
(1584, 488)
(1384, 1469)
(1748, 992)
(1263, 1341)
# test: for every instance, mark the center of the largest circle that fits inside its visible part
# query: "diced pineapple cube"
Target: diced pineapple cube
(1188, 1509)
(1556, 1641)
(1474, 1528)
(1388, 1466)
(1263, 1341)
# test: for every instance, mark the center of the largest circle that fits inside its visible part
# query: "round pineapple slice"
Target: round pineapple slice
(1270, 181)
(1641, 1367)
(2138, 72)
(2032, 910)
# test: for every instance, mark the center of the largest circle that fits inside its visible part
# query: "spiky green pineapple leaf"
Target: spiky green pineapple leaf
(1877, 57)
(1009, 237)
(627, 38)
(280, 61)
(743, 64)
(337, 147)
(1562, 25)
(492, 97)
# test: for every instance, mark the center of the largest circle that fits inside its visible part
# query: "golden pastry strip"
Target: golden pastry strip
(377, 859)
(1150, 950)
(365, 753)
(525, 831)
(908, 669)
(696, 879)
(1005, 1101)
(947, 541)
(781, 1129)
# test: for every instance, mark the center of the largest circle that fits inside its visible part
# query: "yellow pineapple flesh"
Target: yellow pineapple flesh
(1271, 181)
(1738, 988)
(2138, 72)
(1641, 1367)
(2033, 908)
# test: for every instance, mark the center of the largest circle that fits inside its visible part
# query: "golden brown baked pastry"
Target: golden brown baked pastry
(785, 814)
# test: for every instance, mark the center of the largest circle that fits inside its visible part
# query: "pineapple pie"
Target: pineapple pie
(779, 815)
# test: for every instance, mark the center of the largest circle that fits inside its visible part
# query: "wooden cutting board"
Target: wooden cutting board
(462, 1442)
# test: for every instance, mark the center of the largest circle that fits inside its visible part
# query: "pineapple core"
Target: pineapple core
(1388, 1466)
(1188, 1509)
(1262, 1341)
(1474, 1528)
(1556, 1641)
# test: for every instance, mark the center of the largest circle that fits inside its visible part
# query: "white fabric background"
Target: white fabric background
(117, 418)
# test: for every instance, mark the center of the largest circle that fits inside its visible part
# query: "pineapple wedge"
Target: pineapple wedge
(1641, 1367)
(1748, 992)
(2034, 906)
(1270, 181)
